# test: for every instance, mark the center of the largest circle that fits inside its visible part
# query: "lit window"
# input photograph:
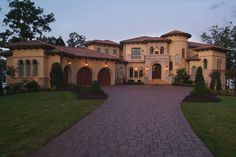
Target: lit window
(140, 72)
(136, 72)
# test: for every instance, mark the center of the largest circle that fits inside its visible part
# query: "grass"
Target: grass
(215, 124)
(30, 120)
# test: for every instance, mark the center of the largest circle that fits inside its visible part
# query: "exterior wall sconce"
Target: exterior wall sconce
(147, 68)
(69, 62)
(166, 68)
(106, 65)
(86, 63)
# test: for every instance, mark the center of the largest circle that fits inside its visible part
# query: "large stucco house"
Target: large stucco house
(152, 60)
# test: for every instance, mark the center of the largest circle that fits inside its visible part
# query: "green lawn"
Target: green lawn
(28, 121)
(215, 124)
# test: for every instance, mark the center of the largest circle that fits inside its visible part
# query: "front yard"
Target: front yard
(215, 124)
(28, 121)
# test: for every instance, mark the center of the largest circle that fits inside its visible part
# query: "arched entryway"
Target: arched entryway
(104, 77)
(156, 71)
(84, 76)
(67, 75)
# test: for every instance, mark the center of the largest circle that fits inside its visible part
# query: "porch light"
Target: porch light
(166, 68)
(86, 63)
(69, 62)
(106, 65)
(147, 68)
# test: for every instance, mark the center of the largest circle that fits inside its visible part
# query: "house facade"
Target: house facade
(151, 60)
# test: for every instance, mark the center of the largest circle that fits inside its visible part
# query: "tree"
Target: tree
(215, 81)
(200, 86)
(25, 21)
(76, 40)
(52, 40)
(2, 73)
(182, 76)
(56, 76)
(60, 41)
(224, 36)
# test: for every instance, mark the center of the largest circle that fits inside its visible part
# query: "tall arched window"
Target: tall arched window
(194, 70)
(218, 64)
(21, 69)
(27, 68)
(151, 50)
(205, 63)
(135, 72)
(35, 68)
(177, 59)
(170, 65)
(141, 72)
(131, 72)
(162, 50)
(183, 52)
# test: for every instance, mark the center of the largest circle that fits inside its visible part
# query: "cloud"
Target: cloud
(217, 5)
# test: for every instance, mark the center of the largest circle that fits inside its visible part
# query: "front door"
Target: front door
(156, 71)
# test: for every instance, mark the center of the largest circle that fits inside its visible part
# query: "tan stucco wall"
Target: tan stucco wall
(103, 47)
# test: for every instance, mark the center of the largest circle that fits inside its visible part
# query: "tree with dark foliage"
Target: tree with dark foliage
(76, 40)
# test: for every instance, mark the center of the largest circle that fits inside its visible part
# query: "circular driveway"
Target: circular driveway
(135, 121)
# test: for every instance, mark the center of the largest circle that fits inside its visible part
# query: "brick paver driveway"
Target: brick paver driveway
(135, 121)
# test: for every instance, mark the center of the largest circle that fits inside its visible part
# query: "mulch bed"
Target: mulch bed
(207, 97)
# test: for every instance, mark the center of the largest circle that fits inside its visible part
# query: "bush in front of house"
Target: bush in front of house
(215, 84)
(95, 88)
(182, 77)
(56, 76)
(32, 86)
(200, 86)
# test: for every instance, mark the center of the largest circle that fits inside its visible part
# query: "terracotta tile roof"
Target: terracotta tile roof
(70, 51)
(201, 47)
(144, 39)
(103, 42)
(176, 32)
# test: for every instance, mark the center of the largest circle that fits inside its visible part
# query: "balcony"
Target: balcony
(135, 57)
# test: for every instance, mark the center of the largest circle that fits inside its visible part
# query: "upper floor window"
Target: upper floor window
(177, 59)
(98, 49)
(21, 68)
(131, 71)
(162, 50)
(218, 64)
(106, 50)
(151, 50)
(27, 68)
(136, 51)
(114, 52)
(205, 63)
(183, 52)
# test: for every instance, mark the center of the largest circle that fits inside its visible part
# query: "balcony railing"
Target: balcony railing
(135, 57)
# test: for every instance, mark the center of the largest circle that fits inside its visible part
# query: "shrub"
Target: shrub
(1, 89)
(56, 76)
(95, 88)
(182, 76)
(215, 81)
(32, 86)
(131, 82)
(200, 86)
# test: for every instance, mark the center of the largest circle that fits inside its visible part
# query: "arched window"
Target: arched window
(177, 59)
(151, 50)
(135, 72)
(27, 68)
(183, 52)
(35, 68)
(162, 50)
(21, 69)
(218, 64)
(131, 72)
(205, 63)
(170, 65)
(141, 72)
(194, 70)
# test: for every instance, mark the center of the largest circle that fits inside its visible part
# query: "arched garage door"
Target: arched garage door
(104, 77)
(84, 76)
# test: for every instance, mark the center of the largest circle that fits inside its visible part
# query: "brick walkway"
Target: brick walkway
(135, 121)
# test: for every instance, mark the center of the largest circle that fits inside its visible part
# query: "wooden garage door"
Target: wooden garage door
(104, 77)
(84, 76)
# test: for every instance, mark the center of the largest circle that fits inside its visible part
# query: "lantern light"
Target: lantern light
(106, 64)
(86, 63)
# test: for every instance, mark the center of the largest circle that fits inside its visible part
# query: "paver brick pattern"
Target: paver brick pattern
(135, 121)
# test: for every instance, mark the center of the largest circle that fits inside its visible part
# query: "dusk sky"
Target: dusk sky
(122, 19)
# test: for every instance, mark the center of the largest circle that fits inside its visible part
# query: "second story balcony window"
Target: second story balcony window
(136, 53)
